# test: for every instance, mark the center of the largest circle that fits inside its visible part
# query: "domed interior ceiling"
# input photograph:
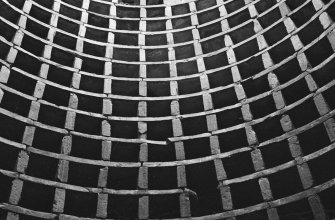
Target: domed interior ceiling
(152, 109)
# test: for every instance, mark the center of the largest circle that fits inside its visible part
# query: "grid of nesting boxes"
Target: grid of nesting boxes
(180, 109)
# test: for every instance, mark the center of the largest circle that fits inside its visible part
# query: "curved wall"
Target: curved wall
(207, 109)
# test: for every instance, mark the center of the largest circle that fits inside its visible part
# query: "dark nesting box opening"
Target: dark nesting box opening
(229, 118)
(234, 6)
(124, 129)
(238, 165)
(263, 107)
(130, 25)
(246, 194)
(213, 44)
(126, 39)
(15, 103)
(208, 16)
(125, 70)
(263, 6)
(276, 154)
(41, 166)
(8, 32)
(253, 87)
(68, 26)
(37, 29)
(39, 14)
(125, 152)
(194, 125)
(224, 98)
(181, 22)
(56, 95)
(62, 57)
(239, 18)
(85, 175)
(127, 12)
(122, 207)
(182, 36)
(127, 88)
(99, 8)
(312, 31)
(87, 124)
(197, 148)
(180, 9)
(327, 198)
(183, 52)
(285, 183)
(281, 51)
(122, 178)
(156, 25)
(203, 4)
(86, 148)
(154, 55)
(246, 50)
(70, 12)
(191, 105)
(319, 52)
(299, 89)
(159, 130)
(220, 78)
(47, 140)
(32, 45)
(288, 71)
(21, 83)
(5, 187)
(94, 49)
(8, 157)
(89, 103)
(251, 67)
(155, 39)
(296, 210)
(164, 206)
(158, 108)
(275, 34)
(161, 178)
(11, 128)
(269, 18)
(125, 54)
(125, 108)
(187, 86)
(60, 76)
(304, 14)
(96, 34)
(210, 30)
(201, 178)
(91, 84)
(304, 113)
(27, 63)
(65, 40)
(52, 116)
(158, 88)
(37, 197)
(256, 215)
(80, 204)
(268, 129)
(216, 61)
(232, 140)
(325, 74)
(187, 68)
(322, 167)
(98, 21)
(92, 65)
(242, 33)
(159, 153)
(4, 49)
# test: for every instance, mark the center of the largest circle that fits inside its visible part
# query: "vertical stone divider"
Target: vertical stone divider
(143, 206)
